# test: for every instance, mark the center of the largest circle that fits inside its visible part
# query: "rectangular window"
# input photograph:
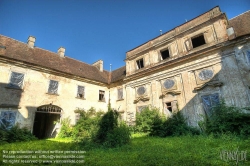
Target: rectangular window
(7, 119)
(80, 92)
(165, 54)
(248, 56)
(198, 41)
(16, 80)
(53, 87)
(170, 107)
(101, 95)
(140, 63)
(120, 93)
(141, 108)
(209, 101)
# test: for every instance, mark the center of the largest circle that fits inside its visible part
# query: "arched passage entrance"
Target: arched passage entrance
(45, 121)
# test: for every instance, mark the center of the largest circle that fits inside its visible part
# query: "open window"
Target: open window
(165, 54)
(198, 41)
(80, 92)
(16, 80)
(140, 63)
(171, 107)
(101, 95)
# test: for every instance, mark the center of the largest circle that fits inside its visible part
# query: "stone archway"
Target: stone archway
(45, 121)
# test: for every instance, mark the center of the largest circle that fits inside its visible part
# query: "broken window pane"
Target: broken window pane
(101, 95)
(209, 102)
(53, 87)
(80, 91)
(120, 94)
(140, 63)
(7, 119)
(198, 41)
(165, 54)
(16, 80)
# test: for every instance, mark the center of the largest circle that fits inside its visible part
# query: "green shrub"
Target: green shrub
(228, 119)
(174, 126)
(145, 119)
(16, 134)
(66, 129)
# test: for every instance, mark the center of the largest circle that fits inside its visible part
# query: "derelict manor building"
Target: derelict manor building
(189, 68)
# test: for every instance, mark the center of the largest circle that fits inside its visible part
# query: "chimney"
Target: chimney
(31, 41)
(61, 51)
(99, 65)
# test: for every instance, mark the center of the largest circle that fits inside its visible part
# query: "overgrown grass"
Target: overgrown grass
(145, 150)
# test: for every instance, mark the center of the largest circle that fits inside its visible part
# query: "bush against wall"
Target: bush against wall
(15, 134)
(228, 119)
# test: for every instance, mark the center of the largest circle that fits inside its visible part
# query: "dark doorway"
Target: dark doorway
(45, 122)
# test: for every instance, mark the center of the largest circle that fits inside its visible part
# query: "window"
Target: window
(101, 95)
(140, 63)
(141, 108)
(248, 56)
(7, 119)
(120, 93)
(165, 54)
(170, 107)
(209, 101)
(141, 90)
(16, 80)
(77, 117)
(198, 41)
(53, 87)
(80, 92)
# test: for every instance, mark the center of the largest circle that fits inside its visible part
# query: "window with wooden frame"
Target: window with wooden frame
(80, 92)
(53, 87)
(16, 80)
(101, 95)
(140, 63)
(120, 93)
(171, 106)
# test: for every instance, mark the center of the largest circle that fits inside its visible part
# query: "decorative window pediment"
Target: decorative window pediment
(212, 84)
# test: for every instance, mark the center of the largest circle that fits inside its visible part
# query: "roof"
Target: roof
(241, 24)
(36, 56)
(118, 74)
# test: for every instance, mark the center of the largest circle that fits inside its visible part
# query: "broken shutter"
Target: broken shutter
(53, 87)
(120, 94)
(16, 80)
(210, 101)
(7, 119)
(80, 91)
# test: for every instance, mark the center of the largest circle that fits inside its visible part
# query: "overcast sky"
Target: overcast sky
(101, 29)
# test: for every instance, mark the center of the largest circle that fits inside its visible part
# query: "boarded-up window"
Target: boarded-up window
(80, 92)
(120, 93)
(101, 95)
(209, 101)
(53, 87)
(16, 80)
(7, 119)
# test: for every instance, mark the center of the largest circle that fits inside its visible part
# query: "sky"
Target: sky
(91, 30)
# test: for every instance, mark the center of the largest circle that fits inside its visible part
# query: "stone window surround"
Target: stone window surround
(83, 98)
(9, 87)
(168, 47)
(119, 99)
(57, 93)
(189, 39)
(143, 59)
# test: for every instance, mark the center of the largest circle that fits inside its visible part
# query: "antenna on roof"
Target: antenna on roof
(110, 67)
(160, 32)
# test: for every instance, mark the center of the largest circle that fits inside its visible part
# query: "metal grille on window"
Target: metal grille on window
(206, 74)
(120, 94)
(80, 92)
(7, 119)
(168, 83)
(209, 102)
(141, 90)
(16, 80)
(53, 87)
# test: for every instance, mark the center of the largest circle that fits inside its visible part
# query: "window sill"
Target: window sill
(120, 99)
(102, 101)
(8, 87)
(54, 94)
(82, 98)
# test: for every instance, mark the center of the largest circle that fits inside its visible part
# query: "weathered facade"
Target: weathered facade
(189, 68)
